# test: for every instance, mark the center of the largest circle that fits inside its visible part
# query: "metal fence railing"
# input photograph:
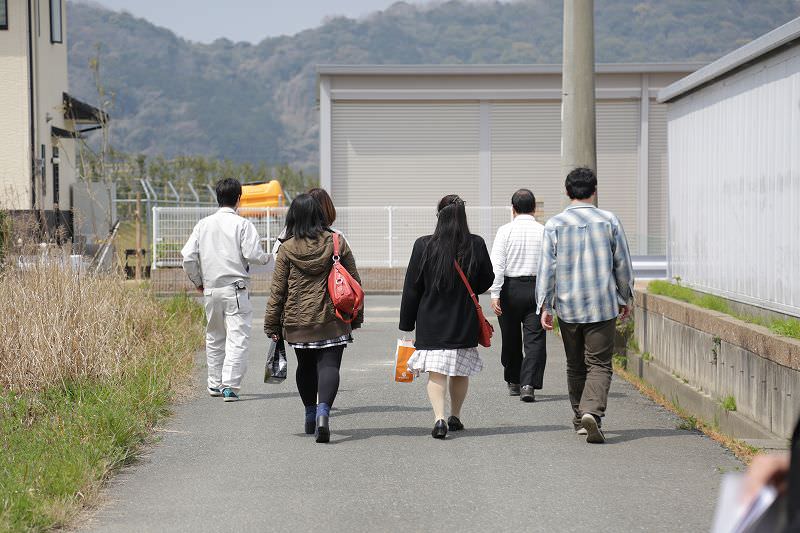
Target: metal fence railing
(379, 236)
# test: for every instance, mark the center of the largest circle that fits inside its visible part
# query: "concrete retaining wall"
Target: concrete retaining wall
(718, 356)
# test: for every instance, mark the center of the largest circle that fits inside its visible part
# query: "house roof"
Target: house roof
(786, 35)
(484, 70)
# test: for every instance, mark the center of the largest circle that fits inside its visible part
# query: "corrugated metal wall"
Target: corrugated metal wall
(412, 153)
(404, 153)
(618, 162)
(657, 184)
(526, 152)
(734, 185)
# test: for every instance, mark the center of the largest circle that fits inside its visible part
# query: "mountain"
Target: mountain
(257, 102)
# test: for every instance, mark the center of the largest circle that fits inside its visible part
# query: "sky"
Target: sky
(242, 20)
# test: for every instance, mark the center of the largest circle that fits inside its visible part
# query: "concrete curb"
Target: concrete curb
(701, 405)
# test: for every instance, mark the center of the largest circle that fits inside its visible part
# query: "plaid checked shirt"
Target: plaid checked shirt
(585, 272)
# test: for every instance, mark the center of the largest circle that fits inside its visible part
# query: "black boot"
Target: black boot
(323, 432)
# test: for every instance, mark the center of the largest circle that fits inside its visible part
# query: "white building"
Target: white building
(734, 174)
(407, 135)
(39, 119)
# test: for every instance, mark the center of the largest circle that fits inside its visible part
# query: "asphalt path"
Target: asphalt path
(248, 466)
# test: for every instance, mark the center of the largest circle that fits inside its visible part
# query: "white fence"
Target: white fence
(379, 236)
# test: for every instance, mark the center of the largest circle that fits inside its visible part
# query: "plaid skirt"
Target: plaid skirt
(458, 362)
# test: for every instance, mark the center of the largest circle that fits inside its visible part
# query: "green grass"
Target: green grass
(647, 357)
(728, 403)
(787, 328)
(58, 445)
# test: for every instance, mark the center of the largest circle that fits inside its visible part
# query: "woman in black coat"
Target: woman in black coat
(437, 302)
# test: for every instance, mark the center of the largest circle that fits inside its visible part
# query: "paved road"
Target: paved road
(248, 466)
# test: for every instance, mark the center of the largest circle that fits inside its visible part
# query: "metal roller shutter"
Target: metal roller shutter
(408, 154)
(526, 152)
(657, 180)
(618, 162)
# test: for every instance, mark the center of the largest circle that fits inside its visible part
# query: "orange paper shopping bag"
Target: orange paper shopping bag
(405, 349)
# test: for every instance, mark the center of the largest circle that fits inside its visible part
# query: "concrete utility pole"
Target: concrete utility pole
(578, 135)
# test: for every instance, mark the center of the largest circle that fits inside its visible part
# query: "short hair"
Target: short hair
(325, 202)
(581, 183)
(524, 202)
(229, 190)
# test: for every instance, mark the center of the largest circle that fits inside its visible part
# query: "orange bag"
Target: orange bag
(405, 349)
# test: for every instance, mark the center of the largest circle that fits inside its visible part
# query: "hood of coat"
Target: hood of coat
(312, 256)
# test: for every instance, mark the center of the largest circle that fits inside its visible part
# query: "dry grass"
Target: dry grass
(88, 364)
(59, 326)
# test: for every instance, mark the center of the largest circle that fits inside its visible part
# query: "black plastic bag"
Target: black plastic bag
(276, 367)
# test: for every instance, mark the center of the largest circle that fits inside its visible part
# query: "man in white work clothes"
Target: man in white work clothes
(217, 259)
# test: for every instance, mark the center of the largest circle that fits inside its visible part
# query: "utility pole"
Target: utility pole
(578, 134)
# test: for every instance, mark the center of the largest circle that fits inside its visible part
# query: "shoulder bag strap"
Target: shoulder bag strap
(335, 247)
(466, 282)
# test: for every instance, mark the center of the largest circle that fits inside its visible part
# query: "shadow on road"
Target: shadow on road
(366, 433)
(273, 396)
(378, 409)
(626, 435)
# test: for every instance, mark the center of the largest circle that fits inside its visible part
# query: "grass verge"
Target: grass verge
(787, 328)
(60, 442)
(740, 449)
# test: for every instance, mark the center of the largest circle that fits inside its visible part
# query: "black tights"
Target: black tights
(318, 374)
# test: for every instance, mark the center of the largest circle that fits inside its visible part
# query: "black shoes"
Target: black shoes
(454, 424)
(526, 394)
(513, 389)
(439, 430)
(323, 432)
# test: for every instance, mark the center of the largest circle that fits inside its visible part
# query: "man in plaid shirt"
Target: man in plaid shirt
(586, 276)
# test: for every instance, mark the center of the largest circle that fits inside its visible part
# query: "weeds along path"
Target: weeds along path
(87, 366)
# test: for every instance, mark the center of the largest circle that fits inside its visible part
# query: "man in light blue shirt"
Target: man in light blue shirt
(586, 278)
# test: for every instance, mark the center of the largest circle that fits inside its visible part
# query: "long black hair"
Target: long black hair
(305, 219)
(451, 241)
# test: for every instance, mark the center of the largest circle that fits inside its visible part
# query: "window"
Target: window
(56, 177)
(43, 169)
(55, 22)
(3, 14)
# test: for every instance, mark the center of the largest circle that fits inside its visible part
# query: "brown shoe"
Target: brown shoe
(526, 394)
(513, 389)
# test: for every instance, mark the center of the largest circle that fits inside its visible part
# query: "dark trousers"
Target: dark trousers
(589, 349)
(521, 328)
(318, 374)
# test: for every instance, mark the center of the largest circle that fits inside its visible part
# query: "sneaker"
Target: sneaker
(581, 431)
(594, 435)
(229, 395)
(513, 389)
(526, 394)
(212, 391)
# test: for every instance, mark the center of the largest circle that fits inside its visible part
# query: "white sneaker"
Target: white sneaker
(581, 431)
(594, 435)
(214, 392)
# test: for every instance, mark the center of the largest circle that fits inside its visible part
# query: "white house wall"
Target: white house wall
(734, 185)
(15, 161)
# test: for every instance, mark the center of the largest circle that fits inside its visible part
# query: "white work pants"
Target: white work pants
(229, 315)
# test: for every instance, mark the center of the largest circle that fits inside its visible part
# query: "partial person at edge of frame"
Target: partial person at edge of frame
(516, 254)
(301, 311)
(438, 304)
(586, 278)
(217, 259)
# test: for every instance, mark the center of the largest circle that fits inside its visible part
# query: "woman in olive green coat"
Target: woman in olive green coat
(301, 311)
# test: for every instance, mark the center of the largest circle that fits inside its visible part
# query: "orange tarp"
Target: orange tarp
(262, 195)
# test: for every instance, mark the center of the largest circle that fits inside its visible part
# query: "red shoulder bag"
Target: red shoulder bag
(345, 292)
(485, 329)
